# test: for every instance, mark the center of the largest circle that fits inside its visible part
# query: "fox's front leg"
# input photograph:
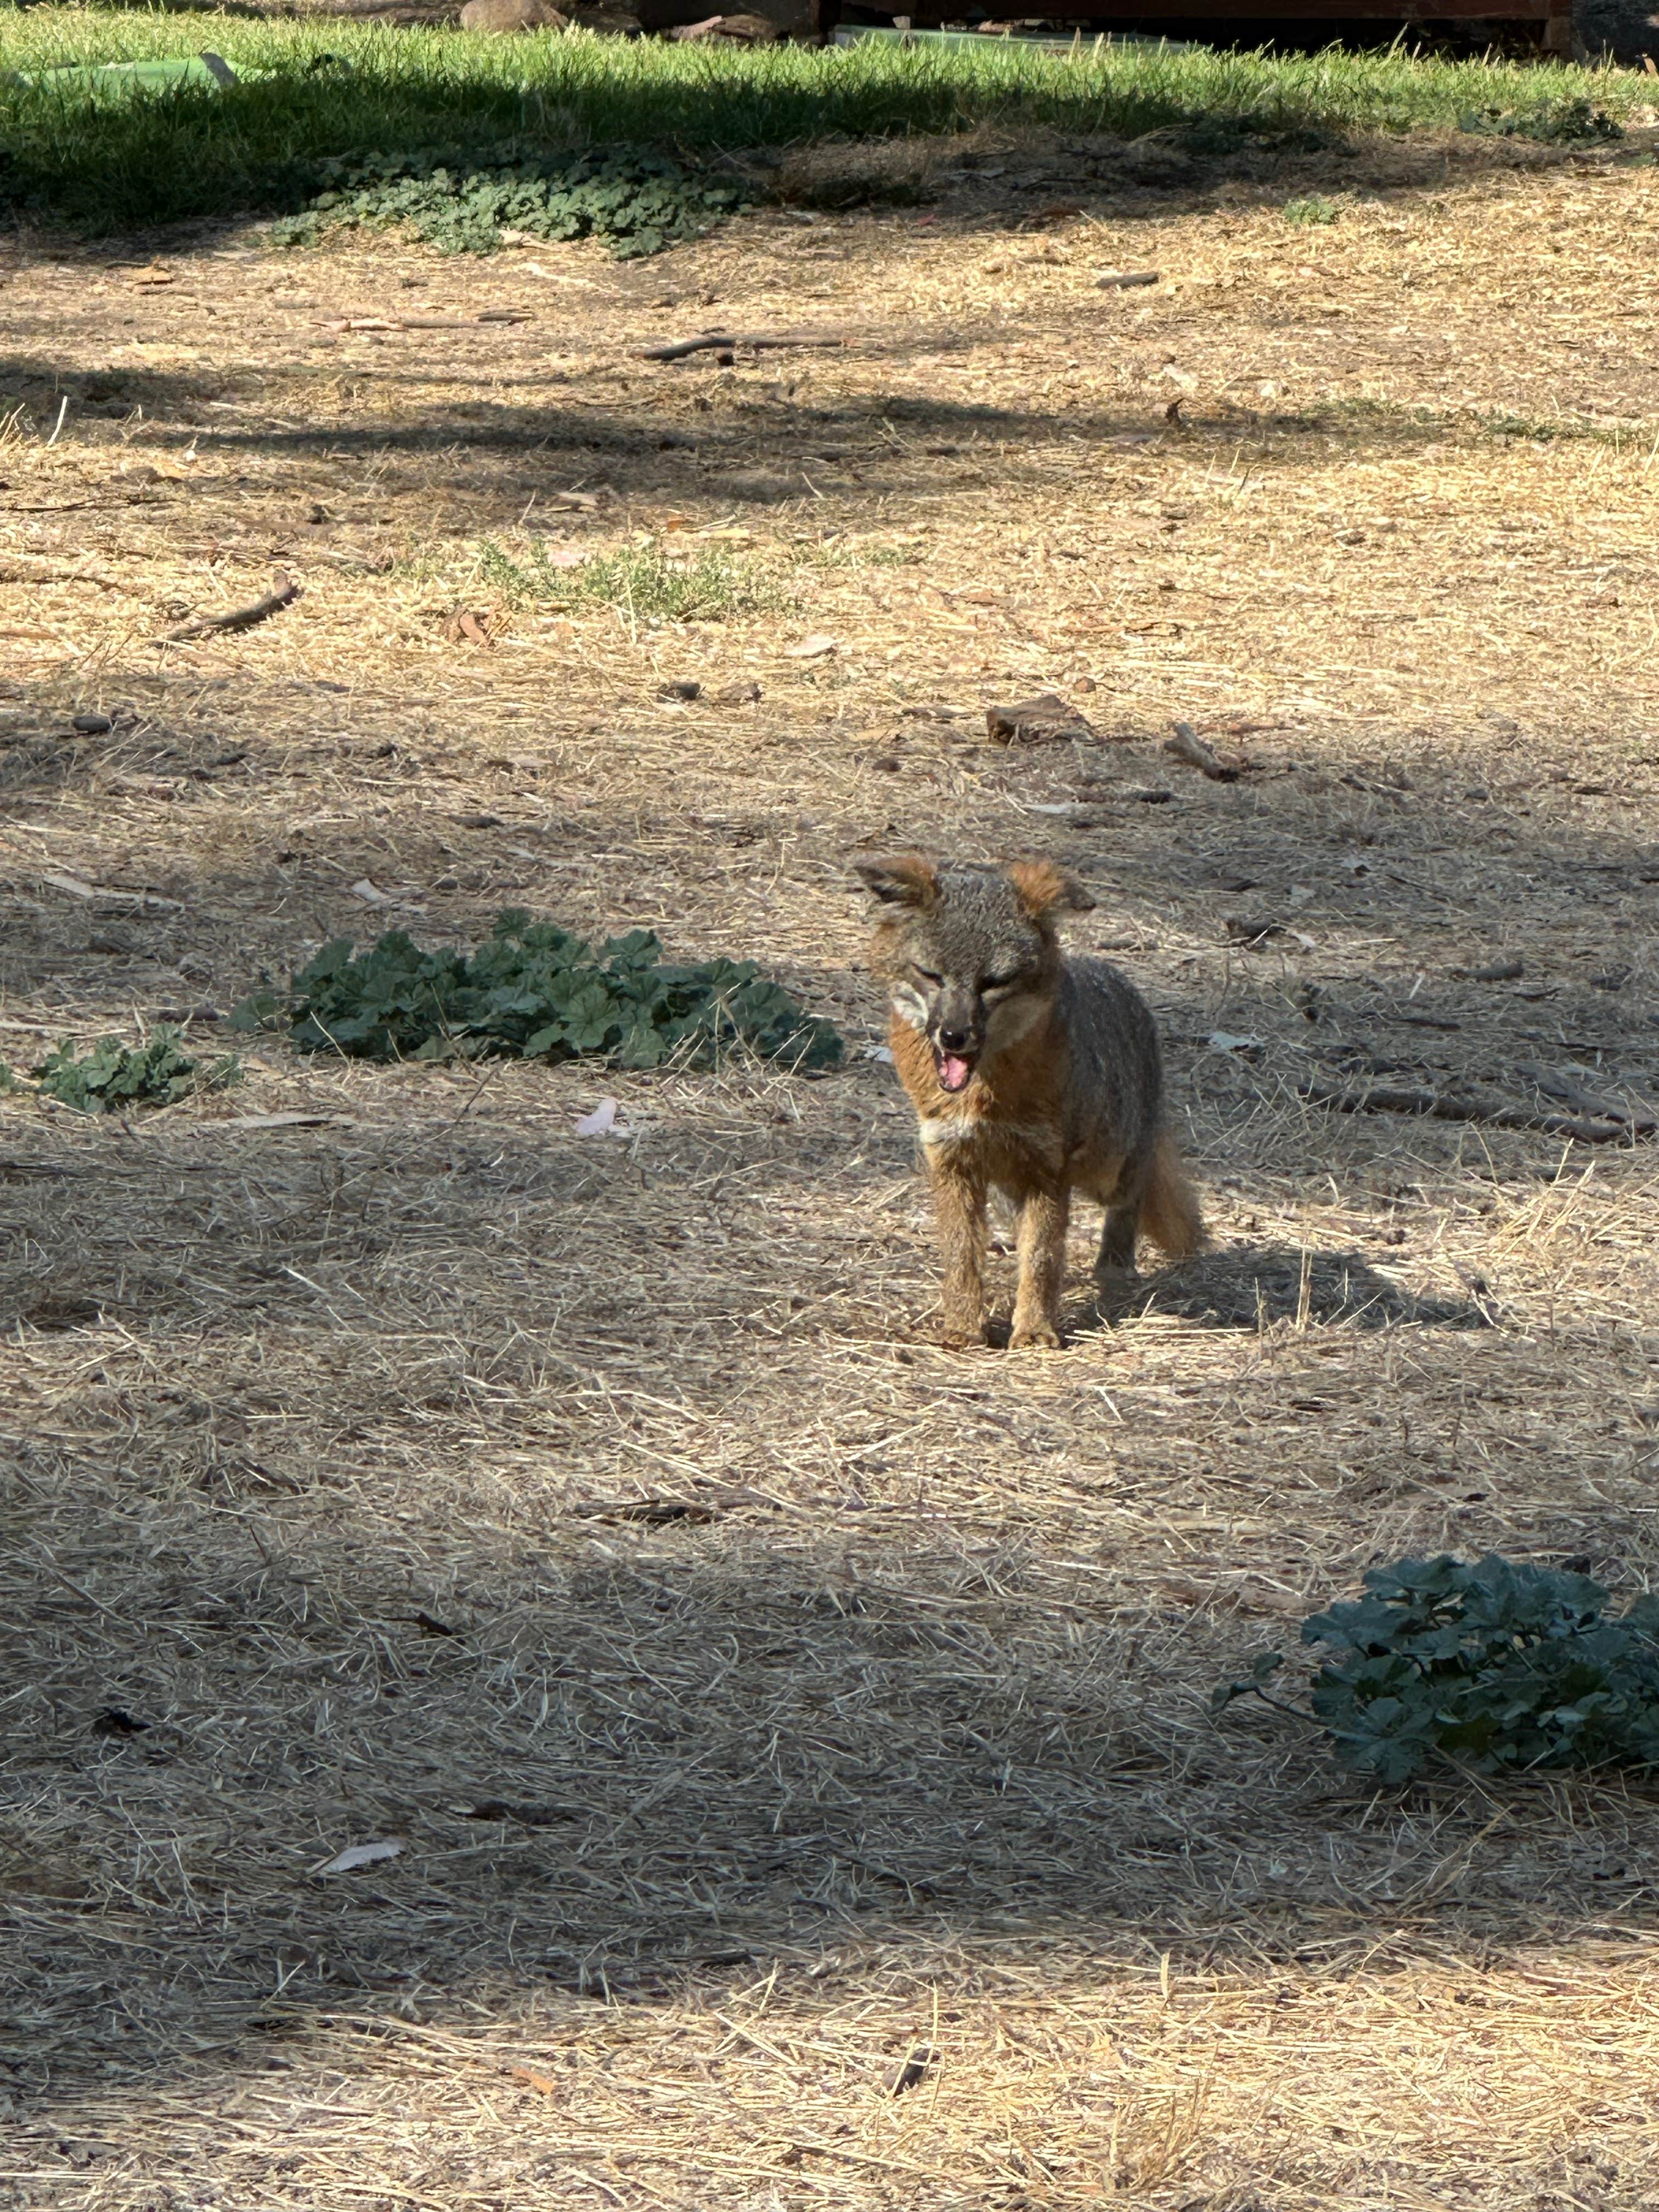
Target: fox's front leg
(1042, 1218)
(959, 1210)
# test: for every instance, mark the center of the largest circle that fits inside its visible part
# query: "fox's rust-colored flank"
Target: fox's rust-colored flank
(1030, 1074)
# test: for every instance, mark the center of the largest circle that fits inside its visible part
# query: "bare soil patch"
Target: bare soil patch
(772, 1709)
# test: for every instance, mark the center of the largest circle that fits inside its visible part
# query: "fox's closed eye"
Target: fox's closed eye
(927, 976)
(999, 983)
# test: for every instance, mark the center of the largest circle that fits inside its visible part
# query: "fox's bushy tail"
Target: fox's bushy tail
(1170, 1213)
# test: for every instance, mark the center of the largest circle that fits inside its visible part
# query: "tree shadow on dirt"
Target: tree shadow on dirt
(1257, 1286)
(777, 451)
(677, 1752)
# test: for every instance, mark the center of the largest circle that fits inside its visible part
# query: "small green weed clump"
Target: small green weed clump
(1498, 1668)
(1311, 211)
(1556, 123)
(113, 1077)
(636, 203)
(644, 582)
(532, 991)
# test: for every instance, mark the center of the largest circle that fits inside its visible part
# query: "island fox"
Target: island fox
(1030, 1074)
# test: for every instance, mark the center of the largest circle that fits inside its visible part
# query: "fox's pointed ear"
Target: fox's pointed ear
(909, 879)
(1044, 889)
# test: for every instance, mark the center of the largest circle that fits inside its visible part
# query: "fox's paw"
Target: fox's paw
(1034, 1336)
(968, 1339)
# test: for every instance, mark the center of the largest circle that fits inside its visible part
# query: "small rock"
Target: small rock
(512, 15)
(1500, 971)
(741, 30)
(92, 725)
(737, 695)
(683, 690)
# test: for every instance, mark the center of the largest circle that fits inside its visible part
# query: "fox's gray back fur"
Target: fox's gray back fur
(1116, 1090)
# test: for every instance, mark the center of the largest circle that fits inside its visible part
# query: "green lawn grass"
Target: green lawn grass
(69, 154)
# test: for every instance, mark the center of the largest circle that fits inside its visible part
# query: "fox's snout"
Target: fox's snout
(956, 1021)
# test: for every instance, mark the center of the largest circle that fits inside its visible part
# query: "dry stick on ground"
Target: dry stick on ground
(1187, 745)
(724, 341)
(239, 618)
(1573, 1094)
(1462, 1106)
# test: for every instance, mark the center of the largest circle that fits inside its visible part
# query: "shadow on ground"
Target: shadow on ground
(1256, 1286)
(621, 1764)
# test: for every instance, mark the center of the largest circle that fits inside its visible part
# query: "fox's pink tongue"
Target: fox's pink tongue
(953, 1074)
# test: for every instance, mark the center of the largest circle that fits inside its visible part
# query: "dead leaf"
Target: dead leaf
(810, 648)
(737, 695)
(361, 1855)
(548, 2088)
(1046, 719)
(603, 1123)
(910, 2072)
(465, 625)
(368, 893)
(113, 1721)
(292, 1121)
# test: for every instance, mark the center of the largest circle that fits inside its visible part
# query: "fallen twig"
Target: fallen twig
(239, 618)
(1187, 745)
(425, 322)
(1554, 1085)
(1462, 1106)
(1120, 280)
(727, 341)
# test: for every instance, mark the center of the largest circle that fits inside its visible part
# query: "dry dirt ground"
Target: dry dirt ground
(763, 1697)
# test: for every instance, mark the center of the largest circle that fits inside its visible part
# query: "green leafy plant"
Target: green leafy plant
(1311, 211)
(112, 1077)
(643, 581)
(637, 203)
(1498, 1667)
(1556, 123)
(534, 991)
